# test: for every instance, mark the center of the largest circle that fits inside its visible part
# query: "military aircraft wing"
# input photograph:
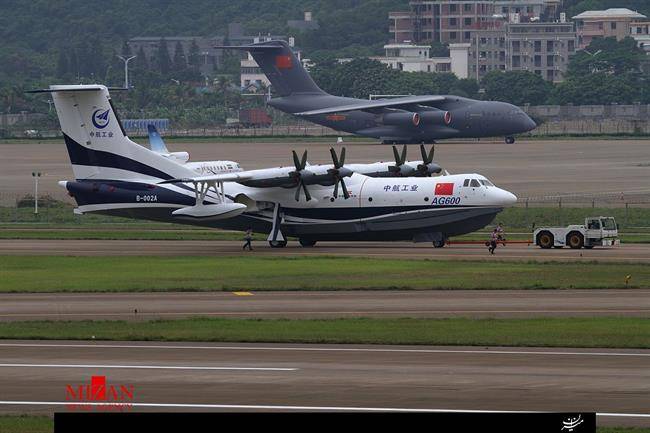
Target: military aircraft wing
(376, 104)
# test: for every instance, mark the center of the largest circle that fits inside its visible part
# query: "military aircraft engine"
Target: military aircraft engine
(401, 119)
(437, 117)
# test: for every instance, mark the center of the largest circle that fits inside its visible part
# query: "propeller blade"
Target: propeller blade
(423, 152)
(342, 159)
(336, 189)
(303, 163)
(431, 152)
(296, 161)
(297, 194)
(403, 160)
(346, 194)
(396, 155)
(304, 188)
(335, 158)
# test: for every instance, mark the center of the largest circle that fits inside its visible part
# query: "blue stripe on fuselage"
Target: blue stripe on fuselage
(80, 155)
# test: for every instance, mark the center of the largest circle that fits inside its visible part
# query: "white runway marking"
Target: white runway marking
(330, 349)
(146, 367)
(303, 408)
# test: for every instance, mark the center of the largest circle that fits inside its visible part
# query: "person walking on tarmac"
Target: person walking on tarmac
(494, 238)
(501, 234)
(248, 237)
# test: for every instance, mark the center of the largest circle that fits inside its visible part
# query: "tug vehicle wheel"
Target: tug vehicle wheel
(575, 240)
(545, 239)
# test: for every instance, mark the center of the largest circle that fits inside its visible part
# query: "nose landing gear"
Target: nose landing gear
(510, 140)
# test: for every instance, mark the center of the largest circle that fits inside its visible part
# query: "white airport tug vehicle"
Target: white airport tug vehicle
(601, 231)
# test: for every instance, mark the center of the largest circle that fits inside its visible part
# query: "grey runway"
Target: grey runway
(319, 304)
(631, 253)
(173, 376)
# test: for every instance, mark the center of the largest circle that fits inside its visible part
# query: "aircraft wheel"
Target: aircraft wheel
(439, 244)
(278, 244)
(510, 140)
(307, 242)
(575, 240)
(545, 240)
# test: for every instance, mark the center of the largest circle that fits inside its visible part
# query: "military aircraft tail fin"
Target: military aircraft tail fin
(282, 67)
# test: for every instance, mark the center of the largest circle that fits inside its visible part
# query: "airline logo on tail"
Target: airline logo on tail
(100, 118)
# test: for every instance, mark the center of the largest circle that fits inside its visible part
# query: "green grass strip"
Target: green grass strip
(92, 274)
(615, 332)
(26, 424)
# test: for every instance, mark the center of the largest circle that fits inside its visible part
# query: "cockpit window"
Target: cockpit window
(466, 183)
(475, 183)
(486, 182)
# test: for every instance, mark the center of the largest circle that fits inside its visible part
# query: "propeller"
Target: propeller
(339, 172)
(428, 167)
(298, 175)
(400, 168)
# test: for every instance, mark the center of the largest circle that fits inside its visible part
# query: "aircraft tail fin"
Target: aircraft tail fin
(96, 141)
(282, 67)
(156, 143)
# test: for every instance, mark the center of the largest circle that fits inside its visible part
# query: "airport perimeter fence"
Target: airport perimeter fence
(631, 210)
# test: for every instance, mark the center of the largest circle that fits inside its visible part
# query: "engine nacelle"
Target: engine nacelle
(178, 157)
(401, 119)
(436, 117)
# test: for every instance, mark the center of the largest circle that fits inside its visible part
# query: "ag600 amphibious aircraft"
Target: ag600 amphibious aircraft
(339, 201)
(411, 119)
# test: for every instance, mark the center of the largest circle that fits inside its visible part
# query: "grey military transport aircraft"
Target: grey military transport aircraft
(404, 120)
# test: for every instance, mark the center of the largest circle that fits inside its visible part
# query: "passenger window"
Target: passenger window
(475, 183)
(466, 183)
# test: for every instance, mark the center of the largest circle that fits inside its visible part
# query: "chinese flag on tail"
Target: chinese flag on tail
(444, 189)
(283, 62)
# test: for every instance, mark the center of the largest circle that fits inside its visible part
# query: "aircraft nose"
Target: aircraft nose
(529, 123)
(505, 198)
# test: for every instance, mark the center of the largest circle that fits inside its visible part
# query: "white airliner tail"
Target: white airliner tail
(97, 143)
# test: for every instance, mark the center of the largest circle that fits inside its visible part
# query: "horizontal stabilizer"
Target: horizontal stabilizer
(75, 88)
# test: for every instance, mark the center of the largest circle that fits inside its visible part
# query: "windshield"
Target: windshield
(486, 182)
(609, 224)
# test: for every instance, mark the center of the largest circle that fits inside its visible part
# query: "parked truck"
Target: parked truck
(601, 231)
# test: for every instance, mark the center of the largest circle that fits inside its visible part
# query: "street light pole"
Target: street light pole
(36, 175)
(126, 69)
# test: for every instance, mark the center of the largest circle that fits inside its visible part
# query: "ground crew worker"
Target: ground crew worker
(501, 233)
(494, 238)
(248, 237)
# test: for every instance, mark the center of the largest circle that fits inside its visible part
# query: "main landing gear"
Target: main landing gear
(510, 140)
(278, 244)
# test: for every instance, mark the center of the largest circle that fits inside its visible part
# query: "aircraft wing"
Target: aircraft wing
(226, 177)
(377, 104)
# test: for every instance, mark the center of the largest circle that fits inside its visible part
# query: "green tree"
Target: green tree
(162, 57)
(179, 63)
(607, 55)
(62, 65)
(516, 87)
